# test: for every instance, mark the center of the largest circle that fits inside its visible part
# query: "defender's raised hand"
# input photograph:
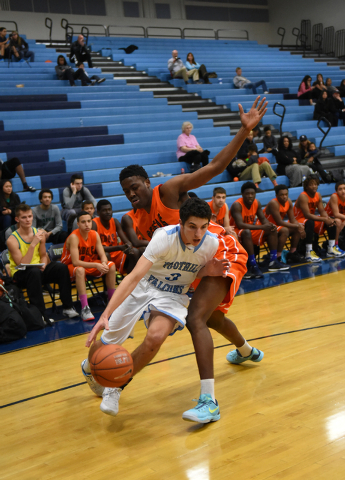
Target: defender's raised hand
(250, 119)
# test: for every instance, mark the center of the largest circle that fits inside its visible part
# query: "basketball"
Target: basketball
(235, 179)
(111, 366)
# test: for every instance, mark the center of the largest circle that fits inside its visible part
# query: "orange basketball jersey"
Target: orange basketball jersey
(108, 237)
(87, 248)
(131, 214)
(221, 213)
(341, 206)
(283, 209)
(312, 204)
(248, 215)
(149, 222)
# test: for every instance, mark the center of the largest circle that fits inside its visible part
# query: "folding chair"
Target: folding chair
(4, 260)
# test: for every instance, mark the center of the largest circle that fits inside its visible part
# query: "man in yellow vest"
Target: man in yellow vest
(27, 246)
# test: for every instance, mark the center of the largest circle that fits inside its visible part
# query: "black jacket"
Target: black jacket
(284, 158)
(60, 70)
(243, 151)
(23, 46)
(14, 201)
(270, 142)
(78, 50)
(323, 108)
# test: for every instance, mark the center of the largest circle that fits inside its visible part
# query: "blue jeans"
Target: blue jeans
(27, 55)
(5, 221)
(253, 86)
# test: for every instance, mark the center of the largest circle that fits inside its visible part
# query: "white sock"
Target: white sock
(207, 386)
(331, 244)
(86, 366)
(308, 248)
(245, 350)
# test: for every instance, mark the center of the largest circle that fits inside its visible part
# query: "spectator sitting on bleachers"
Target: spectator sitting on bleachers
(307, 91)
(341, 88)
(189, 150)
(338, 106)
(276, 212)
(4, 41)
(288, 165)
(243, 213)
(191, 64)
(254, 168)
(88, 207)
(270, 142)
(335, 208)
(65, 72)
(243, 150)
(84, 255)
(256, 134)
(304, 210)
(178, 70)
(8, 203)
(124, 256)
(319, 85)
(20, 49)
(90, 80)
(73, 196)
(47, 217)
(309, 156)
(219, 209)
(79, 52)
(9, 169)
(27, 246)
(325, 108)
(330, 88)
(243, 82)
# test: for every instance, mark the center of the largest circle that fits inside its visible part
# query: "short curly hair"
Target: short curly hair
(133, 171)
(195, 207)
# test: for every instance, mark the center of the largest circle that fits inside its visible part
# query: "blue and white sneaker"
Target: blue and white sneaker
(235, 357)
(335, 251)
(205, 412)
(95, 387)
(276, 266)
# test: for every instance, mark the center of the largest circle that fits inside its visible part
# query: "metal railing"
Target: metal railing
(321, 129)
(198, 29)
(281, 116)
(162, 35)
(328, 41)
(305, 36)
(114, 34)
(49, 24)
(10, 21)
(88, 25)
(231, 37)
(340, 43)
(317, 36)
(281, 33)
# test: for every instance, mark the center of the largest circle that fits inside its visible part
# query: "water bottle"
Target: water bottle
(220, 81)
(303, 178)
(81, 122)
(182, 171)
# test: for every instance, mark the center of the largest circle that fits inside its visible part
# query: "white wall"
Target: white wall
(32, 24)
(289, 15)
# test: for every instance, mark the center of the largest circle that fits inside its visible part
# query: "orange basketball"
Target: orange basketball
(111, 366)
(235, 179)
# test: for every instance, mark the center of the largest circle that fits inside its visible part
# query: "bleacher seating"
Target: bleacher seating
(57, 130)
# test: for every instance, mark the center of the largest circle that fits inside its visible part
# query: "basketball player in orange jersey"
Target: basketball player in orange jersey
(159, 207)
(129, 225)
(304, 211)
(336, 208)
(84, 255)
(220, 210)
(124, 256)
(276, 211)
(243, 213)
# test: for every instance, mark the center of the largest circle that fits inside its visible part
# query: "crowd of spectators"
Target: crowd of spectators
(191, 68)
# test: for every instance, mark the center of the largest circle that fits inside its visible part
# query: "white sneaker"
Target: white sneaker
(335, 251)
(70, 312)
(95, 387)
(86, 314)
(312, 257)
(110, 402)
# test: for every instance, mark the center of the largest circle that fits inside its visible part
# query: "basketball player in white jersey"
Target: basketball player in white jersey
(156, 289)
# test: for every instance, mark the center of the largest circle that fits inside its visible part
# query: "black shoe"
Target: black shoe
(101, 80)
(258, 190)
(29, 189)
(294, 257)
(93, 82)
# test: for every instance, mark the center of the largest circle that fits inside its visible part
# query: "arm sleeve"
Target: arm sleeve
(88, 196)
(283, 159)
(170, 64)
(34, 220)
(159, 246)
(68, 199)
(58, 221)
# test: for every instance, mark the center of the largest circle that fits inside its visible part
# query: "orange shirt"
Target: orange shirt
(131, 214)
(87, 248)
(283, 209)
(221, 213)
(108, 237)
(248, 215)
(312, 204)
(341, 206)
(159, 216)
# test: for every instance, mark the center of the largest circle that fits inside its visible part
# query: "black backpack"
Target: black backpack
(12, 326)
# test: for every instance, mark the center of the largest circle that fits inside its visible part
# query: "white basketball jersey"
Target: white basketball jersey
(175, 265)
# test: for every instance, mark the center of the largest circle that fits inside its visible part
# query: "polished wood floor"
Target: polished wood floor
(281, 419)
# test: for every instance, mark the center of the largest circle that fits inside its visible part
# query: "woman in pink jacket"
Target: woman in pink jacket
(306, 90)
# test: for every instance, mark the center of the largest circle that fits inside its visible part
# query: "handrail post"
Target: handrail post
(320, 128)
(49, 24)
(278, 115)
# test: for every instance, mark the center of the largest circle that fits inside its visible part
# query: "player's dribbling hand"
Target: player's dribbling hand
(102, 324)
